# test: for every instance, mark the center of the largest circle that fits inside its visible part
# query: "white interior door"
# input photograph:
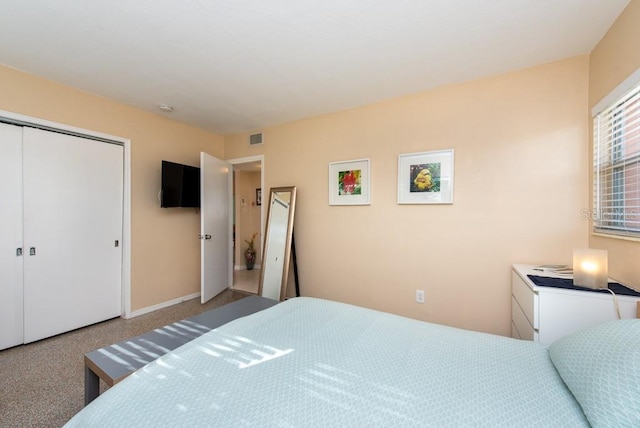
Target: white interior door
(11, 304)
(215, 245)
(72, 196)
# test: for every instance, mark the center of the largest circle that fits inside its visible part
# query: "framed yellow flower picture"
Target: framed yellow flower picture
(425, 178)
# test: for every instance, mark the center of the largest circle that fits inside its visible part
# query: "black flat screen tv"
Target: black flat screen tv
(180, 185)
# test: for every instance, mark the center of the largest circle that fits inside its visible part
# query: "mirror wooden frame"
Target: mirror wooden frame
(288, 241)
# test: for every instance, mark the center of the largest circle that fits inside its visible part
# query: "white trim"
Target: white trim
(615, 236)
(126, 233)
(68, 128)
(163, 305)
(126, 203)
(624, 87)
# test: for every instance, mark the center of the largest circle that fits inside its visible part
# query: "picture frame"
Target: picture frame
(350, 182)
(426, 177)
(258, 196)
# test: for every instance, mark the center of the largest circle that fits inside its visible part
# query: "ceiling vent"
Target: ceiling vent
(255, 139)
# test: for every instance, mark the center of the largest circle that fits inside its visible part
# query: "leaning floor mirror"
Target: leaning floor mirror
(274, 274)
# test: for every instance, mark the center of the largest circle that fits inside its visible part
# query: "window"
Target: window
(616, 164)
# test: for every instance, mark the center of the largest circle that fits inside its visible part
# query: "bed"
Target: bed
(312, 362)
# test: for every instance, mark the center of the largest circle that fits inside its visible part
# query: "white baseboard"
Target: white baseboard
(244, 267)
(162, 305)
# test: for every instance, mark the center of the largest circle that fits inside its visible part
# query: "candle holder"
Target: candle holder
(590, 268)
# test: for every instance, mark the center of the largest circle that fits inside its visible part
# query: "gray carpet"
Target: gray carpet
(42, 383)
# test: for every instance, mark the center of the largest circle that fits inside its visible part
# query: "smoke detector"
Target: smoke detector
(165, 108)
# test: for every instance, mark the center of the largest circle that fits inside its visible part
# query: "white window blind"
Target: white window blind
(616, 166)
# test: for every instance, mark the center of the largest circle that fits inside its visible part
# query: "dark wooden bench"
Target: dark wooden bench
(115, 362)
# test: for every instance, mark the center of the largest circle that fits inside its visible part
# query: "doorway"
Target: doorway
(247, 221)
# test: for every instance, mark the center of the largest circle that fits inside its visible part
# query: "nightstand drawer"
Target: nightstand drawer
(526, 299)
(519, 321)
(548, 312)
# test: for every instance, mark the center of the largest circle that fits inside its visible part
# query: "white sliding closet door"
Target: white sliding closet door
(11, 331)
(72, 219)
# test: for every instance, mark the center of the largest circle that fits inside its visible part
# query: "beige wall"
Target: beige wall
(613, 60)
(165, 251)
(521, 168)
(522, 158)
(247, 215)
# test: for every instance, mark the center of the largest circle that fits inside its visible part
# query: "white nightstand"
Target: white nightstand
(545, 314)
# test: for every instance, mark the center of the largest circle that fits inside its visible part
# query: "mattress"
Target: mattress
(311, 362)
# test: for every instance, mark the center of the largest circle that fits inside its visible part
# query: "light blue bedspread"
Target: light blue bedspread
(310, 362)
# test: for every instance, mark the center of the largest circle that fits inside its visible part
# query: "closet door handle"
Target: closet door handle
(207, 236)
(19, 252)
(32, 251)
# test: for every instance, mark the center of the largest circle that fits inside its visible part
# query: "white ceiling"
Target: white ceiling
(232, 66)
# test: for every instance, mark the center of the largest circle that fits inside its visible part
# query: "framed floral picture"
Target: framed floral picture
(425, 178)
(350, 182)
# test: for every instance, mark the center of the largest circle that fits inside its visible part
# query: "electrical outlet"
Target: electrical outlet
(419, 296)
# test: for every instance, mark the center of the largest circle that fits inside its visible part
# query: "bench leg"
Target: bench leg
(91, 385)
